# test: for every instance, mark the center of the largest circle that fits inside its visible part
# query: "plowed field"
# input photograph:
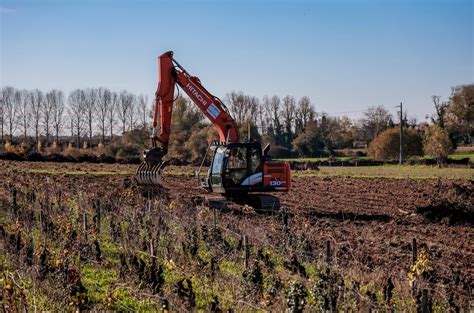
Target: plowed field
(369, 222)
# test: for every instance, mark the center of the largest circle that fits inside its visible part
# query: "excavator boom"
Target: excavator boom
(172, 73)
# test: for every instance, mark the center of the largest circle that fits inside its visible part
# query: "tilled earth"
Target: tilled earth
(369, 222)
(372, 222)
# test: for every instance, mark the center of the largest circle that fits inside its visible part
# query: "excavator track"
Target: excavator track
(264, 204)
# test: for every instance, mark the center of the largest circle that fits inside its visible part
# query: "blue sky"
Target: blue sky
(344, 55)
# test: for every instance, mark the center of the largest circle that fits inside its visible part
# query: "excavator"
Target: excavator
(238, 170)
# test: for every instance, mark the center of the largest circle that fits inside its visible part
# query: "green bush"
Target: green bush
(437, 144)
(386, 146)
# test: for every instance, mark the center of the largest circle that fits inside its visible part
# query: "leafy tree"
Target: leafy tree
(386, 146)
(324, 134)
(310, 142)
(337, 132)
(460, 114)
(198, 143)
(437, 143)
(186, 121)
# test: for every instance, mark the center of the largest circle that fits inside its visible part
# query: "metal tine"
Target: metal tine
(149, 175)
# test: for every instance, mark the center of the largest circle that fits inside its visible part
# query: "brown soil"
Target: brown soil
(370, 223)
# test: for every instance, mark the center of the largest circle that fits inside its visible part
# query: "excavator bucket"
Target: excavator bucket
(148, 173)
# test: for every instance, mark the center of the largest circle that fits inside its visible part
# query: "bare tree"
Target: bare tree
(2, 113)
(90, 107)
(77, 108)
(111, 113)
(142, 108)
(58, 112)
(36, 99)
(244, 108)
(47, 112)
(235, 103)
(251, 109)
(441, 109)
(288, 114)
(24, 113)
(10, 99)
(132, 112)
(264, 121)
(104, 103)
(304, 114)
(275, 128)
(71, 122)
(375, 120)
(125, 101)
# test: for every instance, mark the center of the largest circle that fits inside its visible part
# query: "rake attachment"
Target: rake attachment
(148, 173)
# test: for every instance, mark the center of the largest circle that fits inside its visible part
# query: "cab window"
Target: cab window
(255, 160)
(237, 158)
(236, 165)
(218, 160)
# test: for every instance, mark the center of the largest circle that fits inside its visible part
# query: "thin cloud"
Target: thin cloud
(5, 10)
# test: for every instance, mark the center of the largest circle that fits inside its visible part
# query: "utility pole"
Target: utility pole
(400, 161)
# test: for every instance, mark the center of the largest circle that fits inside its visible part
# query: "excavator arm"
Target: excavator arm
(171, 73)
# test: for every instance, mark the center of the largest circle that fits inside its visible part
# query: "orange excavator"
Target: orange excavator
(237, 168)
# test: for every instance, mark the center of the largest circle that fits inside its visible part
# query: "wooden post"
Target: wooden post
(285, 220)
(152, 252)
(97, 214)
(149, 201)
(328, 252)
(414, 251)
(246, 252)
(60, 194)
(14, 197)
(424, 301)
(414, 257)
(41, 218)
(214, 219)
(84, 224)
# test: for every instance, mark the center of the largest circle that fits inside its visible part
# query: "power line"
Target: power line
(356, 111)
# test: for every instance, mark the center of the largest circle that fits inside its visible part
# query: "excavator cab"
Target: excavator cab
(240, 168)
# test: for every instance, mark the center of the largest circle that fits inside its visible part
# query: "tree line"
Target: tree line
(83, 114)
(292, 126)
